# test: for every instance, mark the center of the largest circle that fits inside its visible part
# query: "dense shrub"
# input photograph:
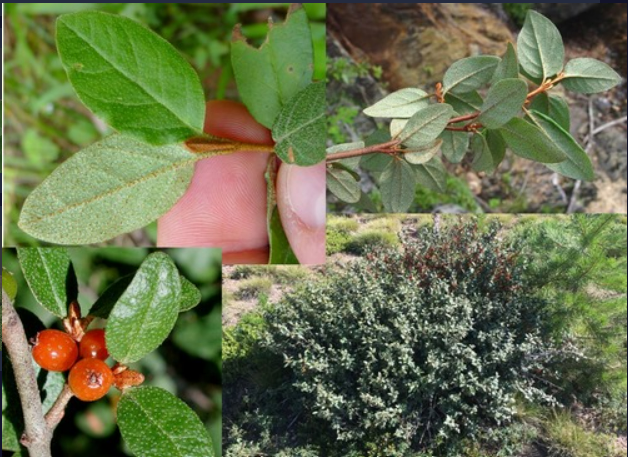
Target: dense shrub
(416, 348)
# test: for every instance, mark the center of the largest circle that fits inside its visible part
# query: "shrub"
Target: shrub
(254, 287)
(370, 240)
(413, 349)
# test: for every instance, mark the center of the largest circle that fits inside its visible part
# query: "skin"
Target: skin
(225, 205)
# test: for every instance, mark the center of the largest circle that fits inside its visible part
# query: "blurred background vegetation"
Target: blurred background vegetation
(45, 123)
(188, 364)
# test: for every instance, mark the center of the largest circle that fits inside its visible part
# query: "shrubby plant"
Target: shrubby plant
(518, 112)
(415, 349)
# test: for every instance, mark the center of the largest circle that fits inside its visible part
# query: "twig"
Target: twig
(57, 412)
(37, 436)
(606, 126)
(560, 190)
(384, 147)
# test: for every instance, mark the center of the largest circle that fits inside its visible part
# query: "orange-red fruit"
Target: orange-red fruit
(55, 350)
(93, 346)
(90, 379)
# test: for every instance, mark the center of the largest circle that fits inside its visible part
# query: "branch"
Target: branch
(56, 413)
(37, 436)
(386, 148)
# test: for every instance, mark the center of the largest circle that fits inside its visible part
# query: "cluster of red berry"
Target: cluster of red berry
(90, 378)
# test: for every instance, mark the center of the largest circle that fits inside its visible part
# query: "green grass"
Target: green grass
(566, 438)
(253, 287)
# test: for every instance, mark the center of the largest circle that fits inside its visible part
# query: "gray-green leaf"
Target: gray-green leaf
(504, 101)
(419, 156)
(426, 125)
(343, 185)
(432, 175)
(155, 423)
(469, 74)
(484, 161)
(131, 77)
(352, 162)
(376, 162)
(397, 186)
(47, 272)
(269, 77)
(578, 164)
(465, 103)
(509, 66)
(401, 104)
(554, 107)
(530, 142)
(300, 129)
(145, 314)
(589, 76)
(540, 47)
(455, 145)
(112, 187)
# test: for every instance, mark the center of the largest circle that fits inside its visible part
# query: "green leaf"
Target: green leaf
(485, 160)
(200, 336)
(352, 162)
(155, 423)
(114, 186)
(48, 273)
(504, 101)
(397, 186)
(455, 145)
(9, 285)
(426, 125)
(530, 142)
(146, 312)
(465, 103)
(402, 104)
(269, 77)
(376, 162)
(469, 74)
(419, 156)
(589, 76)
(554, 107)
(432, 175)
(131, 77)
(39, 150)
(300, 129)
(578, 164)
(508, 68)
(497, 145)
(540, 47)
(105, 303)
(343, 185)
(190, 295)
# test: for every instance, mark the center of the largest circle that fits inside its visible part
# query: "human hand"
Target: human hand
(225, 205)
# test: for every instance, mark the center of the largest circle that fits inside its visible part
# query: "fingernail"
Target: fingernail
(306, 194)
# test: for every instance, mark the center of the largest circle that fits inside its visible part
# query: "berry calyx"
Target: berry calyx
(90, 379)
(93, 345)
(55, 350)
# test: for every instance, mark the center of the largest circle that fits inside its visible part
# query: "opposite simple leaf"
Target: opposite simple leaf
(465, 103)
(554, 107)
(48, 273)
(145, 314)
(343, 185)
(397, 186)
(190, 295)
(432, 175)
(426, 125)
(105, 303)
(300, 129)
(578, 164)
(469, 74)
(503, 102)
(131, 77)
(155, 423)
(528, 141)
(114, 186)
(270, 76)
(589, 76)
(455, 145)
(419, 156)
(401, 104)
(508, 67)
(540, 47)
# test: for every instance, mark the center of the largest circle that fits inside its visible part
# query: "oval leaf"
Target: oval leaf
(131, 77)
(48, 273)
(504, 101)
(528, 141)
(397, 126)
(300, 130)
(432, 175)
(397, 186)
(469, 74)
(283, 66)
(190, 295)
(540, 47)
(578, 164)
(554, 107)
(114, 186)
(465, 103)
(155, 423)
(146, 312)
(419, 156)
(426, 125)
(509, 66)
(484, 160)
(343, 185)
(455, 145)
(352, 162)
(402, 104)
(589, 76)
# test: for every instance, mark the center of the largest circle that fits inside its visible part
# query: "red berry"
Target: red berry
(93, 346)
(90, 379)
(55, 350)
